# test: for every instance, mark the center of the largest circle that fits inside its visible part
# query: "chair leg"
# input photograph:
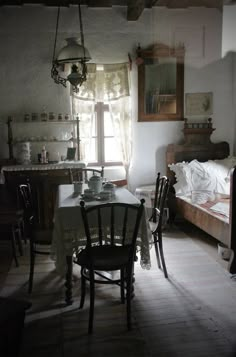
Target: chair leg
(157, 251)
(91, 307)
(162, 255)
(13, 243)
(122, 286)
(129, 277)
(19, 239)
(32, 261)
(83, 290)
(23, 231)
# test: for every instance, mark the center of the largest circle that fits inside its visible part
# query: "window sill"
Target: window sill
(113, 172)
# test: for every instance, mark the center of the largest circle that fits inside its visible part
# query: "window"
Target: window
(103, 148)
(103, 108)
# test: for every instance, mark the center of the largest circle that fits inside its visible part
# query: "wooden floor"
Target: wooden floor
(193, 313)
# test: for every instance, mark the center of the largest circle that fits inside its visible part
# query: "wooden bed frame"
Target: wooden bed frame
(197, 145)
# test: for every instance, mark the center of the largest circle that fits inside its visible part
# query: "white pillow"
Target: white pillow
(182, 174)
(200, 177)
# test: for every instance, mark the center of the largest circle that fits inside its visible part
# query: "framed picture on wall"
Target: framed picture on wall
(70, 154)
(199, 103)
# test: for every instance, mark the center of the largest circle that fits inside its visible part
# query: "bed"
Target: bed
(194, 200)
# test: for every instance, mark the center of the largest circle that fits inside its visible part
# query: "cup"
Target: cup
(78, 187)
(88, 193)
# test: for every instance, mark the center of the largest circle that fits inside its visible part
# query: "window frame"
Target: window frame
(99, 109)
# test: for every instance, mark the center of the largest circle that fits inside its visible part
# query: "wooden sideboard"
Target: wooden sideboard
(44, 185)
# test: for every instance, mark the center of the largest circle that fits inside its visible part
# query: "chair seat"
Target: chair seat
(105, 257)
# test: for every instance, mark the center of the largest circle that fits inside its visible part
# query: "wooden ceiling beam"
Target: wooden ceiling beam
(178, 4)
(101, 3)
(134, 9)
(63, 3)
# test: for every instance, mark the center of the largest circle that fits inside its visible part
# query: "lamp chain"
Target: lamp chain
(81, 29)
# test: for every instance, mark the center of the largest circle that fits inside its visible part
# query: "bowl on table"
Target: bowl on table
(88, 194)
(105, 195)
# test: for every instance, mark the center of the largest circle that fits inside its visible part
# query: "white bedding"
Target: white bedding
(221, 207)
(211, 176)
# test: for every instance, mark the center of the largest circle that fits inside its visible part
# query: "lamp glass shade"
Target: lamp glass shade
(73, 52)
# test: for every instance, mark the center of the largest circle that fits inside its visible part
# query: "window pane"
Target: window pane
(112, 150)
(89, 150)
(108, 127)
(94, 129)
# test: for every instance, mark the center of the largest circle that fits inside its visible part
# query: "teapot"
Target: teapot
(95, 183)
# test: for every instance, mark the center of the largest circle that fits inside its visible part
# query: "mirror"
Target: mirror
(160, 83)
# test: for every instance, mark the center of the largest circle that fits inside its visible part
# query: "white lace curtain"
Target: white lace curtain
(106, 83)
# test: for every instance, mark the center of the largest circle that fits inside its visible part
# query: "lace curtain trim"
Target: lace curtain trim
(108, 84)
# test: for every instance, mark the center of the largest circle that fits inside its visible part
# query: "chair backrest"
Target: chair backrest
(26, 199)
(161, 192)
(83, 174)
(112, 224)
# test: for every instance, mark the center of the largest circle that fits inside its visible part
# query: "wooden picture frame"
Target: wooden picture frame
(160, 83)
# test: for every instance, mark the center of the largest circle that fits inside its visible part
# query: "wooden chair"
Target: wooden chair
(82, 174)
(156, 220)
(38, 244)
(111, 230)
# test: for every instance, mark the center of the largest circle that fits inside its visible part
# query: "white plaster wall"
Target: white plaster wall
(228, 29)
(25, 85)
(229, 49)
(234, 99)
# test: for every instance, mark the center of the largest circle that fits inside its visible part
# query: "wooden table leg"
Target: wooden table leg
(68, 283)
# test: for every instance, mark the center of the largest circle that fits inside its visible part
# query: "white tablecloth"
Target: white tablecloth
(42, 167)
(68, 233)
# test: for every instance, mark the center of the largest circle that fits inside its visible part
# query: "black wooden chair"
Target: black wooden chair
(156, 219)
(111, 230)
(39, 244)
(83, 174)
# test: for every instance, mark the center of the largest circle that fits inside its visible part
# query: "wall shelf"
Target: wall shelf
(41, 122)
(42, 141)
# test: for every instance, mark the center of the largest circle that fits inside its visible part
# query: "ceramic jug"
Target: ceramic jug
(95, 183)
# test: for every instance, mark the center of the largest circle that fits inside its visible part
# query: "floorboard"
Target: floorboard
(193, 313)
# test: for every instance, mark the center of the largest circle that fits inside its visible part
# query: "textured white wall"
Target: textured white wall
(229, 49)
(27, 37)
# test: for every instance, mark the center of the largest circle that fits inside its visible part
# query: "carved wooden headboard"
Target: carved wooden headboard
(196, 145)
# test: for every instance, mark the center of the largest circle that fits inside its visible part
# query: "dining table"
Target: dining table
(69, 236)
